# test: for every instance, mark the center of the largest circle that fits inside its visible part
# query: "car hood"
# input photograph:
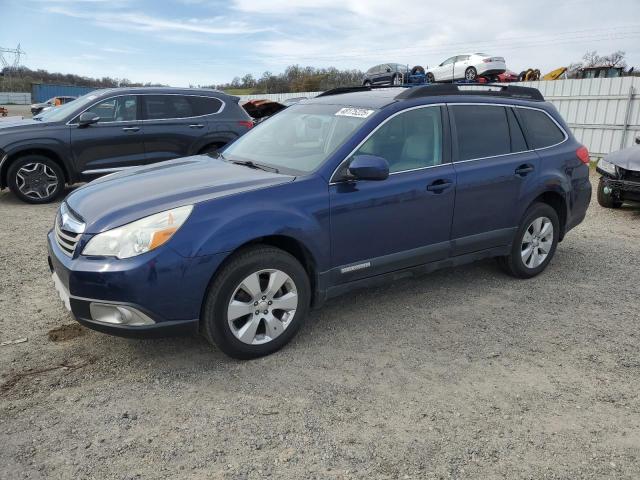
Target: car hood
(629, 158)
(18, 124)
(123, 197)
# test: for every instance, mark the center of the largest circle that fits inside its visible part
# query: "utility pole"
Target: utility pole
(10, 68)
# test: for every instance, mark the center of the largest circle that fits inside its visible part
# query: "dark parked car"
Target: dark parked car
(36, 108)
(109, 130)
(350, 189)
(385, 74)
(620, 180)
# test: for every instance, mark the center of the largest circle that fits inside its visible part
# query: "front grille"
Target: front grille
(68, 230)
(66, 240)
(630, 175)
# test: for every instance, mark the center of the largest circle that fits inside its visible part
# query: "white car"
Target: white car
(466, 67)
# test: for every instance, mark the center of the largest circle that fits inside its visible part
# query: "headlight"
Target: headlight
(140, 236)
(607, 167)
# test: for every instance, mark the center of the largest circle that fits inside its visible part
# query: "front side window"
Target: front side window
(541, 130)
(410, 140)
(299, 139)
(481, 131)
(448, 61)
(116, 109)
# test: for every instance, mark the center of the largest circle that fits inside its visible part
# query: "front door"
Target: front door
(112, 143)
(405, 220)
(494, 170)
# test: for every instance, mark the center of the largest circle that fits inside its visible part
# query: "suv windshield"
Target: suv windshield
(60, 113)
(299, 139)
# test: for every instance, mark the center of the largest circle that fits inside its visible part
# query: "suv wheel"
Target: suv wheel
(607, 200)
(35, 179)
(535, 242)
(470, 73)
(257, 303)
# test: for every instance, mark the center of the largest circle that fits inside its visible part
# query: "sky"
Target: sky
(204, 42)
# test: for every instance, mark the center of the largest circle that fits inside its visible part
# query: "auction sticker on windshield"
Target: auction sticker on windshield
(354, 112)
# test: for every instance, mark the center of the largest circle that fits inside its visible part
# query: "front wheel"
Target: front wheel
(535, 242)
(605, 196)
(35, 179)
(257, 303)
(431, 78)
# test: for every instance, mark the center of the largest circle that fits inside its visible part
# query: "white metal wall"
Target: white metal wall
(603, 113)
(15, 98)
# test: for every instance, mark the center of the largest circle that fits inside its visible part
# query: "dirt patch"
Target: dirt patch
(66, 332)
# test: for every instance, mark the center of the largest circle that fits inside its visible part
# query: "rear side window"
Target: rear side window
(204, 105)
(159, 107)
(541, 130)
(481, 130)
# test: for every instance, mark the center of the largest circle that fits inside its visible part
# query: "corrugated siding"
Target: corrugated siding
(41, 92)
(595, 109)
(15, 98)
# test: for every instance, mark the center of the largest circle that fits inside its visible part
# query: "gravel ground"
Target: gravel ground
(465, 373)
(18, 110)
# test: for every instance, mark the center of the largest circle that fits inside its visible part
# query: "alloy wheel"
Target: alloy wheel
(470, 74)
(537, 242)
(262, 306)
(37, 180)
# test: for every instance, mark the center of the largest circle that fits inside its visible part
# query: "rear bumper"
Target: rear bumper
(164, 287)
(492, 68)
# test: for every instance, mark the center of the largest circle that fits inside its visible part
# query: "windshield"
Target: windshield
(60, 113)
(300, 138)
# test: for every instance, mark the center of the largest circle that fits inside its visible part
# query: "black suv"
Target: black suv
(110, 130)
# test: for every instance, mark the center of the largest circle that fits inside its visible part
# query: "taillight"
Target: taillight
(246, 124)
(583, 154)
(487, 60)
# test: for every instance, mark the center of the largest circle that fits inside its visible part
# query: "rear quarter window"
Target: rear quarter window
(540, 129)
(205, 105)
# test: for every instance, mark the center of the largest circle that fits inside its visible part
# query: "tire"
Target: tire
(211, 148)
(471, 74)
(262, 263)
(417, 70)
(606, 200)
(366, 83)
(35, 179)
(522, 77)
(514, 263)
(431, 78)
(396, 79)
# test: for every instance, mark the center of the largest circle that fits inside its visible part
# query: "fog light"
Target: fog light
(118, 315)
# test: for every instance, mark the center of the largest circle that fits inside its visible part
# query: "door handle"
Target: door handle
(196, 125)
(524, 170)
(130, 129)
(439, 185)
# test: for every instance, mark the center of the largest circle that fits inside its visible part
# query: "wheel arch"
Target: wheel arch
(558, 202)
(45, 152)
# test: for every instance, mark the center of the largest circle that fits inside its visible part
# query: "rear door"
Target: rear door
(172, 128)
(494, 169)
(112, 143)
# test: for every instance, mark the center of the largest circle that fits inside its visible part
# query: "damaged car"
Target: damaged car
(620, 177)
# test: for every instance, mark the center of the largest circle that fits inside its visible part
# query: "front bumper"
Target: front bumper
(163, 286)
(622, 189)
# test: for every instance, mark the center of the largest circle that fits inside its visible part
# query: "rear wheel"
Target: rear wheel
(470, 74)
(366, 83)
(257, 303)
(35, 179)
(605, 197)
(535, 242)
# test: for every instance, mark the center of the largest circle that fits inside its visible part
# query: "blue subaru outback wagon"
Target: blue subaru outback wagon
(353, 188)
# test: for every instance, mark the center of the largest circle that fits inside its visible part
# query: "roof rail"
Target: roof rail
(508, 91)
(341, 90)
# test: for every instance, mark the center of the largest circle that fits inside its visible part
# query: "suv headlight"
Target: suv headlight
(605, 166)
(140, 236)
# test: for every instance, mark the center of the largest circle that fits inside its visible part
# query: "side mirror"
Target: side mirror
(88, 118)
(369, 167)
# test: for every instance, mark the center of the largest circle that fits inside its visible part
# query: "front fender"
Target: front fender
(298, 210)
(55, 146)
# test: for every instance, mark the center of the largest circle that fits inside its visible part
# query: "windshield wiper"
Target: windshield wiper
(258, 166)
